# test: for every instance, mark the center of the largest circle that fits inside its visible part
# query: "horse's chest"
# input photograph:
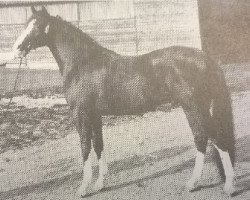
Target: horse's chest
(86, 88)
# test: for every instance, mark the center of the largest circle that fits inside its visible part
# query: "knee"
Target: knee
(86, 147)
(86, 154)
(97, 139)
(221, 146)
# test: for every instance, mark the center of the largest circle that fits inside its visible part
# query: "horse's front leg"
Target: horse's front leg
(197, 125)
(84, 129)
(99, 150)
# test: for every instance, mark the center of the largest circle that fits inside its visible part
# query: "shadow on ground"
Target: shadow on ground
(243, 155)
(114, 167)
(242, 181)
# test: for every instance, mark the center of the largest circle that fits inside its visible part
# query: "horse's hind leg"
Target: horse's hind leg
(84, 129)
(197, 125)
(99, 150)
(228, 168)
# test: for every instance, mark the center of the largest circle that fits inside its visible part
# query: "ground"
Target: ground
(149, 157)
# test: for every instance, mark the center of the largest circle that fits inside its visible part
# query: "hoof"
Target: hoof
(191, 185)
(82, 192)
(98, 185)
(229, 189)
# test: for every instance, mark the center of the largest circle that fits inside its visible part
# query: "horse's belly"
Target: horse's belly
(122, 103)
(133, 98)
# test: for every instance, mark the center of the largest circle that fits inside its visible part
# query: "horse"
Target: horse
(99, 82)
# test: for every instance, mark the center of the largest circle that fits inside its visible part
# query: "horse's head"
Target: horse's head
(35, 33)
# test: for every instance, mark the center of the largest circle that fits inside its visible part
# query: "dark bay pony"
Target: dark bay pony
(100, 82)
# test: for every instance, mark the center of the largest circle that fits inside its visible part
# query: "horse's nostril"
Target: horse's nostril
(19, 46)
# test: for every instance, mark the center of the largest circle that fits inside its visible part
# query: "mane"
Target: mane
(75, 31)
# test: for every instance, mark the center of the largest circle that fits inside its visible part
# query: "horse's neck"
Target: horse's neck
(69, 48)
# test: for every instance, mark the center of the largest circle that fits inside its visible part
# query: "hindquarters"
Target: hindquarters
(222, 114)
(207, 106)
(198, 84)
(196, 104)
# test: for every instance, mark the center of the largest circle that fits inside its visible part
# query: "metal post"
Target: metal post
(78, 14)
(26, 19)
(136, 29)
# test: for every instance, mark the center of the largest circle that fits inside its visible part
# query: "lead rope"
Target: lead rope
(15, 84)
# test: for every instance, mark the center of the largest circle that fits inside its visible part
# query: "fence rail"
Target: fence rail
(127, 27)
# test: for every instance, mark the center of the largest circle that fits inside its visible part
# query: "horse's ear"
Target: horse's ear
(33, 9)
(44, 10)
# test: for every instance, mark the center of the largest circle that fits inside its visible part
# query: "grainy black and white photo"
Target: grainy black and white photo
(124, 99)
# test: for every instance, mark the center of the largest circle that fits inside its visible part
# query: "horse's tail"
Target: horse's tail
(222, 116)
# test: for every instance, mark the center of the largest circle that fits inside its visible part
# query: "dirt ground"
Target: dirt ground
(149, 157)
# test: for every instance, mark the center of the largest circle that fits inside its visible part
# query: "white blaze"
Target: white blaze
(22, 37)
